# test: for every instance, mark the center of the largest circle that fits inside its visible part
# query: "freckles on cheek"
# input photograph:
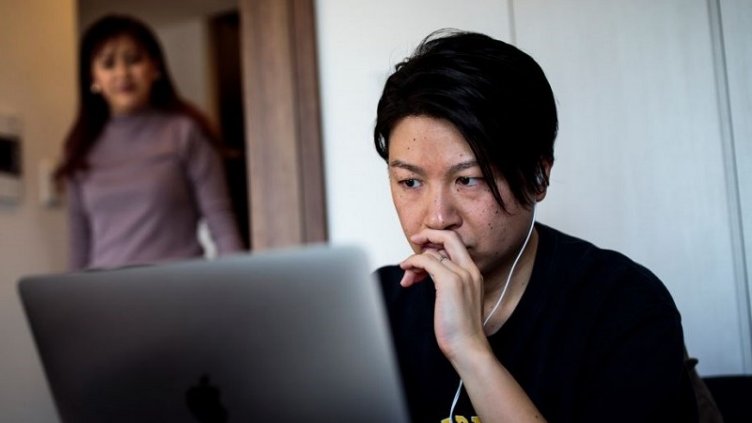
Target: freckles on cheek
(492, 214)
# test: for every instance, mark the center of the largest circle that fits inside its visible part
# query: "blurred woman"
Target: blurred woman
(139, 163)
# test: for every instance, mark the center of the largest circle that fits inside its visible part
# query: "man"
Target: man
(496, 317)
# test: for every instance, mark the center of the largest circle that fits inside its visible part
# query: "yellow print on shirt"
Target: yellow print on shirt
(462, 419)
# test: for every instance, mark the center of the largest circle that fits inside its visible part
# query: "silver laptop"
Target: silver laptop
(289, 336)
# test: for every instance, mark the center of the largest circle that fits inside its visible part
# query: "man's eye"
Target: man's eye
(468, 181)
(410, 183)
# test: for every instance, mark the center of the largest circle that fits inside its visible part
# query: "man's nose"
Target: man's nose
(442, 212)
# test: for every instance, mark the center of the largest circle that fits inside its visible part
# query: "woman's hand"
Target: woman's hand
(458, 310)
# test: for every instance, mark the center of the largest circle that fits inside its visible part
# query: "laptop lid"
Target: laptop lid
(289, 335)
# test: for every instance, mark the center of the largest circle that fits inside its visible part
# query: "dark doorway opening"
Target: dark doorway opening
(224, 37)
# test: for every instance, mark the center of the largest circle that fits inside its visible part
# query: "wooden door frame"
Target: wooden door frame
(282, 118)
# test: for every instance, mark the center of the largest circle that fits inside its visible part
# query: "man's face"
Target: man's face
(436, 183)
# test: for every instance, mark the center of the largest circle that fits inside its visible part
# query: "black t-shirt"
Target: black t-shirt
(595, 338)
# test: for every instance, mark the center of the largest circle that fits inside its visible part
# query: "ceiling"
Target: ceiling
(157, 12)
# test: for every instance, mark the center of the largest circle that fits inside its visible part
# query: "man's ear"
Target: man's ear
(544, 180)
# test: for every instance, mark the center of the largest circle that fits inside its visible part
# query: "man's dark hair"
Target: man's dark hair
(493, 93)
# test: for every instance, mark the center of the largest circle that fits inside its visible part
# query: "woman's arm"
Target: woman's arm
(79, 228)
(207, 178)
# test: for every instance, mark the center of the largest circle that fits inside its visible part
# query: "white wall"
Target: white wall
(37, 83)
(640, 165)
(640, 154)
(736, 16)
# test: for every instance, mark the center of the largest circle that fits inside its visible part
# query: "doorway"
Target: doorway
(224, 36)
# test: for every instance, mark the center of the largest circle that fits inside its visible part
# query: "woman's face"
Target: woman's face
(436, 183)
(123, 74)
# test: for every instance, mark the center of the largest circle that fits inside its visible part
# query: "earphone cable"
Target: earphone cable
(498, 303)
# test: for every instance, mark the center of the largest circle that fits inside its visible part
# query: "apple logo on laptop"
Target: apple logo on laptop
(204, 402)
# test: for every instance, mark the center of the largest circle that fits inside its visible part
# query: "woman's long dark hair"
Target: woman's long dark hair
(93, 111)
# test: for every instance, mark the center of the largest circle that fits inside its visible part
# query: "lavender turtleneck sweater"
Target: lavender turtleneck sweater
(152, 176)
